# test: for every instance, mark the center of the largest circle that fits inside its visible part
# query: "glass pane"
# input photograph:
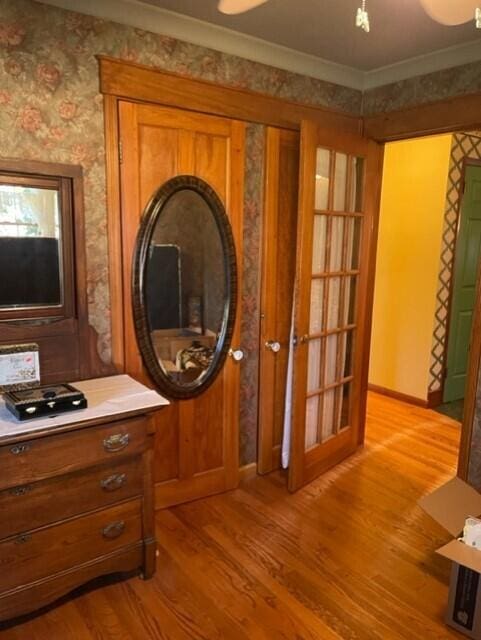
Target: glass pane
(337, 236)
(313, 367)
(327, 418)
(312, 413)
(350, 300)
(345, 406)
(319, 244)
(356, 184)
(317, 292)
(353, 233)
(333, 304)
(30, 248)
(322, 179)
(340, 182)
(330, 369)
(346, 344)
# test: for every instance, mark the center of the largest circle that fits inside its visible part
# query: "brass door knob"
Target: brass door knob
(273, 345)
(236, 354)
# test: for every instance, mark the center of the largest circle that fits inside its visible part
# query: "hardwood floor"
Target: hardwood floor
(349, 557)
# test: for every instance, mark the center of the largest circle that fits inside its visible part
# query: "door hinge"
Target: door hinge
(121, 152)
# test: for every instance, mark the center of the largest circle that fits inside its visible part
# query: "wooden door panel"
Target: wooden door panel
(338, 208)
(196, 450)
(278, 268)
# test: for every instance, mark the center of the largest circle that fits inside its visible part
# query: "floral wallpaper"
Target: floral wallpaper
(51, 110)
(431, 87)
(251, 272)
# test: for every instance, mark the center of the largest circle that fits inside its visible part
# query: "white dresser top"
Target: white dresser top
(115, 396)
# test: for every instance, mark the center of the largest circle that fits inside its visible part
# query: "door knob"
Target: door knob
(273, 345)
(236, 354)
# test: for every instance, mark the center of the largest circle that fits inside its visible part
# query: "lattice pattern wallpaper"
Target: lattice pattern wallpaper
(464, 145)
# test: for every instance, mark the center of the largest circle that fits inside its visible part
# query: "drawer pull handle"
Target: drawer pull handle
(20, 491)
(114, 482)
(117, 442)
(19, 449)
(23, 538)
(114, 530)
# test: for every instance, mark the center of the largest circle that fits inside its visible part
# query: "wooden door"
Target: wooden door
(468, 247)
(196, 449)
(339, 187)
(278, 270)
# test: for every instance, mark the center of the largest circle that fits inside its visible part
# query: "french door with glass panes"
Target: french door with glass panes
(339, 189)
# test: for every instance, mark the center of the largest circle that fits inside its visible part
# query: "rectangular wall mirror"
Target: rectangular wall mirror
(35, 247)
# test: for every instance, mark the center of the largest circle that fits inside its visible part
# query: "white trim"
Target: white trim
(151, 18)
(421, 65)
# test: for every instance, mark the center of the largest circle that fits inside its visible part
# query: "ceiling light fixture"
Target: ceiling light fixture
(477, 17)
(362, 18)
(447, 12)
(451, 12)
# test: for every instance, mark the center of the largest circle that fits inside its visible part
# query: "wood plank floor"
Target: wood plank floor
(350, 557)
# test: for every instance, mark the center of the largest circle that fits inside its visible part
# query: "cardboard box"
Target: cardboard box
(450, 505)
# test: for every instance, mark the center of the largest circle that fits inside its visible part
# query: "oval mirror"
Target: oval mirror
(184, 286)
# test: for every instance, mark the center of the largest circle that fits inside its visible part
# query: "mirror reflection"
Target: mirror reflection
(30, 255)
(186, 287)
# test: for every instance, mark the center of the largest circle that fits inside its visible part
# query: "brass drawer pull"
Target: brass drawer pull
(20, 491)
(116, 442)
(20, 448)
(114, 482)
(23, 538)
(114, 530)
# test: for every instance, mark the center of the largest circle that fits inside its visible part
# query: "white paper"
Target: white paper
(19, 368)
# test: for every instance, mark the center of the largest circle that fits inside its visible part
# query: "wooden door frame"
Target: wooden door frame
(461, 113)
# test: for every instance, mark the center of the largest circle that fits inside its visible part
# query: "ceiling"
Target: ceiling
(400, 29)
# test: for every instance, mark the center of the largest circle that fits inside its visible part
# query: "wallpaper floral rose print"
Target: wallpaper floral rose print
(431, 87)
(251, 276)
(51, 110)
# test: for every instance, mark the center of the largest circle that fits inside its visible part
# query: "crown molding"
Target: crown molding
(422, 65)
(148, 17)
(168, 23)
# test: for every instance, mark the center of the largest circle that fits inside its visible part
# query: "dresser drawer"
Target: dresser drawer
(37, 504)
(44, 552)
(54, 455)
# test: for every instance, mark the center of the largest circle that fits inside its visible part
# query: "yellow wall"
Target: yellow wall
(411, 222)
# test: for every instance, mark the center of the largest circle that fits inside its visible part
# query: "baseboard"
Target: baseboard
(435, 398)
(397, 395)
(248, 471)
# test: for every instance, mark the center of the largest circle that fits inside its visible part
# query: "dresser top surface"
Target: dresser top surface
(108, 398)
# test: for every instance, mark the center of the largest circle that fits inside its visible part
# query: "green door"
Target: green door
(465, 271)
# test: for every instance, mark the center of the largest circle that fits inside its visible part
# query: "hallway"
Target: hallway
(349, 557)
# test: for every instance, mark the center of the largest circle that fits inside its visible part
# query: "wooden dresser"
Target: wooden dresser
(76, 494)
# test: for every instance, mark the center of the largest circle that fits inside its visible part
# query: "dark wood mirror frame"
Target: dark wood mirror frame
(151, 214)
(67, 343)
